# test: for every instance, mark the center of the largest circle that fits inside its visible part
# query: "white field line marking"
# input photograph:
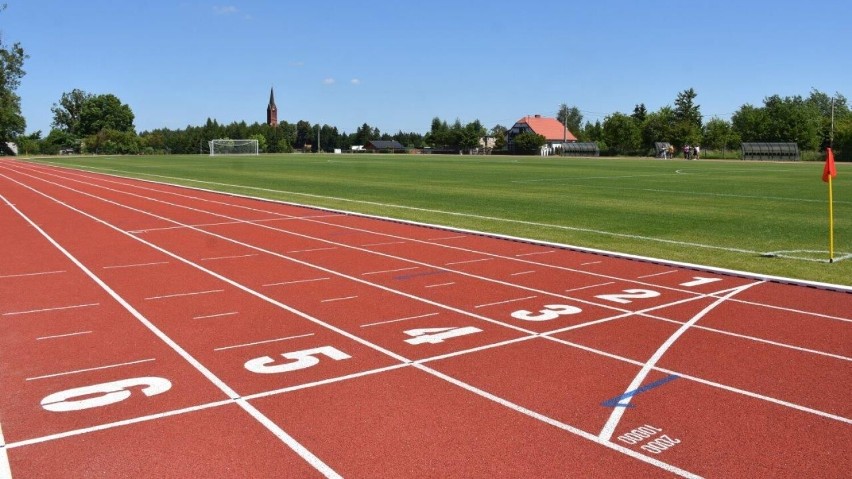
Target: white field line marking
(218, 315)
(440, 285)
(223, 348)
(591, 262)
(520, 273)
(792, 310)
(283, 436)
(428, 210)
(589, 286)
(533, 254)
(707, 382)
(323, 382)
(137, 265)
(504, 302)
(22, 275)
(63, 335)
(284, 283)
(59, 308)
(468, 261)
(229, 257)
(180, 295)
(382, 244)
(331, 300)
(400, 319)
(339, 274)
(558, 424)
(311, 250)
(390, 271)
(108, 366)
(618, 412)
(658, 274)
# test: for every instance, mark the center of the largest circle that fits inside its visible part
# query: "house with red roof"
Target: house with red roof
(553, 131)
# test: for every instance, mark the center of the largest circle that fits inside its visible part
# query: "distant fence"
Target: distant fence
(581, 149)
(771, 151)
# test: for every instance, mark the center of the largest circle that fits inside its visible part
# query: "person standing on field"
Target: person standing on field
(686, 151)
(696, 152)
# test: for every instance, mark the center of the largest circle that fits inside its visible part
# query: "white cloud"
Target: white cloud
(355, 81)
(328, 81)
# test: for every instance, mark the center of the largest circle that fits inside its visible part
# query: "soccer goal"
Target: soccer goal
(233, 147)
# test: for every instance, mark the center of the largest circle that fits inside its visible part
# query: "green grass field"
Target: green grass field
(718, 213)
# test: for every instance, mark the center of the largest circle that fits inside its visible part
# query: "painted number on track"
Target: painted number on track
(299, 360)
(104, 394)
(550, 311)
(438, 335)
(628, 295)
(699, 281)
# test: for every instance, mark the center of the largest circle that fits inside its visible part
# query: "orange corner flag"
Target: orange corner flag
(829, 171)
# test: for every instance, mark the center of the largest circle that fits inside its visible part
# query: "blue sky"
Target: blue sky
(398, 64)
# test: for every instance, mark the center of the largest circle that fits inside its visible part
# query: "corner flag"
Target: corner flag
(829, 171)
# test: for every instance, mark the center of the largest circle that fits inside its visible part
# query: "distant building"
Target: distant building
(272, 110)
(553, 131)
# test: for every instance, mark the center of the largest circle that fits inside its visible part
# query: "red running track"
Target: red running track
(156, 331)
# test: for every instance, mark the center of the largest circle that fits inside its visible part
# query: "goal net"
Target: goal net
(233, 147)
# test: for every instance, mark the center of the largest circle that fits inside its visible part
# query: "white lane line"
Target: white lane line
(223, 348)
(137, 265)
(533, 254)
(591, 262)
(400, 319)
(63, 335)
(59, 308)
(520, 273)
(283, 283)
(330, 300)
(292, 443)
(5, 468)
(312, 249)
(178, 295)
(657, 274)
(219, 315)
(440, 284)
(383, 244)
(617, 412)
(108, 366)
(558, 424)
(229, 257)
(589, 286)
(22, 275)
(390, 270)
(504, 302)
(469, 261)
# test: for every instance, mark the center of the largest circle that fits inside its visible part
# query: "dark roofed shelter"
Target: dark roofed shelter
(771, 151)
(384, 146)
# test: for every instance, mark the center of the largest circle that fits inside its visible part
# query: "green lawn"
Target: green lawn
(718, 213)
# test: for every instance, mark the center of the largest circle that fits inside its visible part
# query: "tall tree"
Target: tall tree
(622, 134)
(66, 113)
(12, 122)
(570, 117)
(105, 112)
(640, 113)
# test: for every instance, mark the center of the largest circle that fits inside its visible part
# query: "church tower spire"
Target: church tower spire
(272, 110)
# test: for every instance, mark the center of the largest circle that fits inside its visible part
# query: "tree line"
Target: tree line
(100, 123)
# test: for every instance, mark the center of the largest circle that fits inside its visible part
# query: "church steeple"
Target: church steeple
(272, 110)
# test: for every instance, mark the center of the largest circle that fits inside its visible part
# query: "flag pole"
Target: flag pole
(830, 223)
